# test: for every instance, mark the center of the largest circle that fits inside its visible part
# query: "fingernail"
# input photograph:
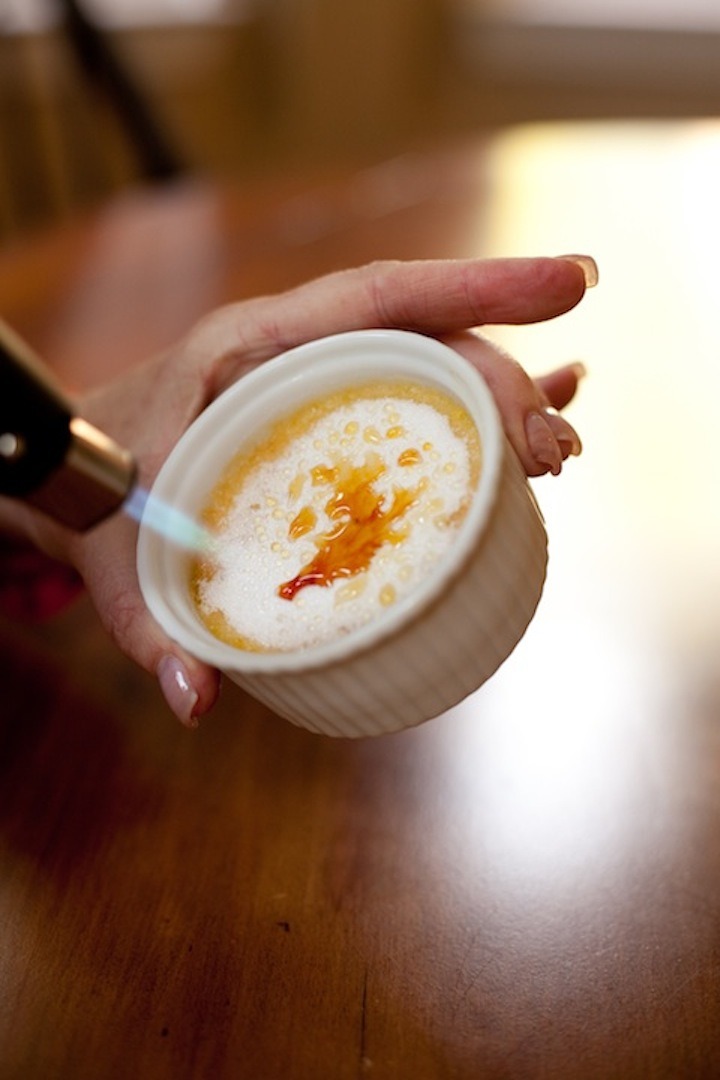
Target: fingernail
(565, 434)
(542, 442)
(177, 689)
(588, 266)
(569, 446)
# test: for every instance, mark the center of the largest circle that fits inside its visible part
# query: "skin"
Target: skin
(445, 299)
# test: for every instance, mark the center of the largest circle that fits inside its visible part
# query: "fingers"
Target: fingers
(441, 298)
(436, 297)
(559, 387)
(433, 297)
(541, 438)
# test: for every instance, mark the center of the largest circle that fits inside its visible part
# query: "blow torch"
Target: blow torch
(57, 462)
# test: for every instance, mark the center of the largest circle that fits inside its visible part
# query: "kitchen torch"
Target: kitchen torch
(57, 462)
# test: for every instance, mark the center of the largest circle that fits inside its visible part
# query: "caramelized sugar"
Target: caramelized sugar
(411, 456)
(303, 523)
(361, 524)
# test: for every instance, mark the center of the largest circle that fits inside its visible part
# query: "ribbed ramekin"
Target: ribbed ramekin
(434, 646)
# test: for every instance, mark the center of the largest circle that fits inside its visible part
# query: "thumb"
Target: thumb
(106, 562)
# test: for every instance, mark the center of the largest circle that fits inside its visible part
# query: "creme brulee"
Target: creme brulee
(340, 510)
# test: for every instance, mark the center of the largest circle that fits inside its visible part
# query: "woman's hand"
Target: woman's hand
(149, 408)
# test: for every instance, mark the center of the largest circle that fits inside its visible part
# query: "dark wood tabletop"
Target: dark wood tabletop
(526, 887)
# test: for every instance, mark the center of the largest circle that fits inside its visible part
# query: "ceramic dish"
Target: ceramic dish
(440, 642)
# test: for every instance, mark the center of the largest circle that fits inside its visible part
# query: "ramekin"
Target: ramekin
(436, 645)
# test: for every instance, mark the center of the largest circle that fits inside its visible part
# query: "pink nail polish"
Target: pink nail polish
(177, 689)
(542, 443)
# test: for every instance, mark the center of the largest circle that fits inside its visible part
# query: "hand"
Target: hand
(149, 408)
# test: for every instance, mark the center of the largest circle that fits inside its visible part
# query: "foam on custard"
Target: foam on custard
(340, 510)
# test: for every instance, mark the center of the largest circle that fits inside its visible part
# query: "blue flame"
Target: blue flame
(176, 526)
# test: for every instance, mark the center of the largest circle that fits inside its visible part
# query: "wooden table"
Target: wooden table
(527, 887)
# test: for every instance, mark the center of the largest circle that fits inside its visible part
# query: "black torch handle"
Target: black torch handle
(50, 458)
(34, 419)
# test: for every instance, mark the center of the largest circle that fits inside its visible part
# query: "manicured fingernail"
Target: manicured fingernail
(565, 433)
(569, 446)
(177, 689)
(542, 442)
(588, 266)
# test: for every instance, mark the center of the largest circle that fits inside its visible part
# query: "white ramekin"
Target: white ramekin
(434, 646)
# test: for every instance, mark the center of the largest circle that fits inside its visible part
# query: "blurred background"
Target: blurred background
(95, 94)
